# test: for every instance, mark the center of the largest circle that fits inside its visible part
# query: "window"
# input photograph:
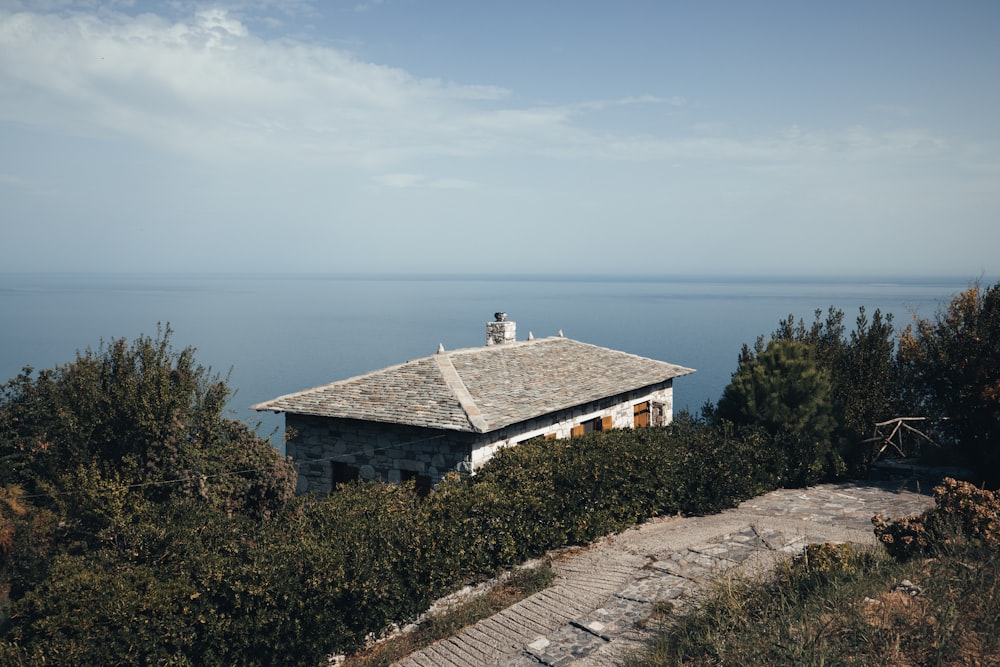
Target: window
(422, 482)
(341, 473)
(658, 414)
(591, 425)
(649, 413)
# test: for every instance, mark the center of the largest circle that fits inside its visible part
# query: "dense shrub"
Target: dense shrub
(545, 494)
(963, 516)
(145, 414)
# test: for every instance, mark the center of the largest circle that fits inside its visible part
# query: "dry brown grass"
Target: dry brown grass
(859, 607)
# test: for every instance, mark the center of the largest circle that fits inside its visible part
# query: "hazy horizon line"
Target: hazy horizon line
(980, 277)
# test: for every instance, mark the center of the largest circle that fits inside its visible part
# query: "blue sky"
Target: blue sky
(778, 138)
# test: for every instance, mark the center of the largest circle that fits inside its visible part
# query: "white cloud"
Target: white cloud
(208, 86)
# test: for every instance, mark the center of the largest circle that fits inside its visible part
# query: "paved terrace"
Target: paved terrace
(593, 615)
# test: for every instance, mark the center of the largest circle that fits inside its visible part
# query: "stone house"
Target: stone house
(453, 410)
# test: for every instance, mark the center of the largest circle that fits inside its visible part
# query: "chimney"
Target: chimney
(500, 331)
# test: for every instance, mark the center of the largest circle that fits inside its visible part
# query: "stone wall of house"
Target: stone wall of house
(394, 452)
(379, 452)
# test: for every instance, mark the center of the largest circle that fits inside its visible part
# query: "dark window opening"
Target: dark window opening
(343, 473)
(422, 482)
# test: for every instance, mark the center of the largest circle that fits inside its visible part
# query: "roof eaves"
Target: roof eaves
(271, 404)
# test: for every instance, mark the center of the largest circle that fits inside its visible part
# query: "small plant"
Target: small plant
(828, 558)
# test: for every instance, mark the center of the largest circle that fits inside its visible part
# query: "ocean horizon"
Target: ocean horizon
(274, 334)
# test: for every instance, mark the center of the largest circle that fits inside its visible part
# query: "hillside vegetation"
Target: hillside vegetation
(140, 525)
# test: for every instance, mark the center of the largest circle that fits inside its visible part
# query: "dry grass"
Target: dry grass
(855, 608)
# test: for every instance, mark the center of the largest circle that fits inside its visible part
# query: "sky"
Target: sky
(544, 136)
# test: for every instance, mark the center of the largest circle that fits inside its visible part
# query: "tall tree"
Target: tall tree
(952, 364)
(866, 377)
(784, 390)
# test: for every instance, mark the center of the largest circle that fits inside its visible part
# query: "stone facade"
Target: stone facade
(327, 450)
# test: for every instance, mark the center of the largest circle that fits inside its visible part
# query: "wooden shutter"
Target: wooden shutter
(641, 413)
(576, 431)
(606, 423)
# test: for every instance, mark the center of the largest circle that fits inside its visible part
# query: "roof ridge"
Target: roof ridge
(632, 355)
(498, 346)
(454, 381)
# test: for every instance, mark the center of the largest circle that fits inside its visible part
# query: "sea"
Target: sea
(276, 334)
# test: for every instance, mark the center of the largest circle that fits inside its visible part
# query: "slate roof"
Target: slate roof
(484, 388)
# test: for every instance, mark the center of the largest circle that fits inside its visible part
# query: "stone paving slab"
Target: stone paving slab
(597, 612)
(654, 586)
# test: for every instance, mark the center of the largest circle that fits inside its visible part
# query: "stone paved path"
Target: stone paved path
(593, 615)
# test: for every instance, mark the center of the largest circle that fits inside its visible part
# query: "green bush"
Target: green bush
(144, 414)
(545, 494)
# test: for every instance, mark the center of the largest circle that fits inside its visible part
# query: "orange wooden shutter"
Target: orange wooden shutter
(576, 430)
(641, 412)
(606, 423)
